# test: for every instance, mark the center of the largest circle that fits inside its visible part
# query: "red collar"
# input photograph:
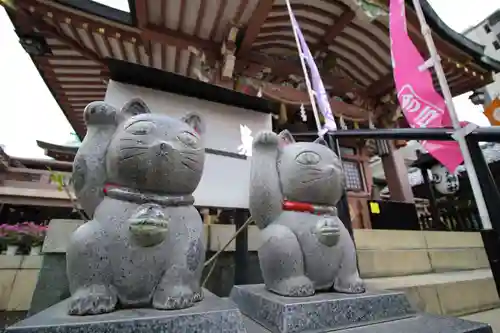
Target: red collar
(122, 193)
(296, 206)
(107, 186)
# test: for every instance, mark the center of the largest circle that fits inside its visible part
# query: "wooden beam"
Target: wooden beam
(87, 93)
(69, 58)
(284, 68)
(93, 43)
(88, 89)
(163, 12)
(290, 95)
(239, 12)
(75, 75)
(197, 32)
(108, 50)
(75, 34)
(218, 19)
(87, 99)
(181, 40)
(141, 10)
(381, 86)
(68, 85)
(177, 63)
(75, 66)
(122, 50)
(135, 50)
(338, 26)
(258, 18)
(161, 57)
(61, 47)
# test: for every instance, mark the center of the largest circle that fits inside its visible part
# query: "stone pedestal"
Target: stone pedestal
(52, 286)
(373, 312)
(213, 314)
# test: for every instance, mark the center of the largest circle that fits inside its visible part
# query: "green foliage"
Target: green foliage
(373, 8)
(63, 184)
(58, 179)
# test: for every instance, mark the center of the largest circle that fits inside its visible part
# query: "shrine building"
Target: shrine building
(248, 48)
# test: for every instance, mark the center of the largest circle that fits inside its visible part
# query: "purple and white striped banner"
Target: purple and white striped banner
(318, 87)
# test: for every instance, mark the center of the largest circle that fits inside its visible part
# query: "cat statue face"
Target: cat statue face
(309, 171)
(445, 182)
(157, 153)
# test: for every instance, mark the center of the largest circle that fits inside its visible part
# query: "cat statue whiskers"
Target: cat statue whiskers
(305, 246)
(143, 246)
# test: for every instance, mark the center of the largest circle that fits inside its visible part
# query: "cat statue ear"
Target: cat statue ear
(321, 141)
(195, 121)
(134, 107)
(286, 138)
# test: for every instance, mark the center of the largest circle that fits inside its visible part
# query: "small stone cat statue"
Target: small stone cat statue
(305, 246)
(144, 245)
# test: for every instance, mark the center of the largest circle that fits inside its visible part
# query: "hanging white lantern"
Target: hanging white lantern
(444, 181)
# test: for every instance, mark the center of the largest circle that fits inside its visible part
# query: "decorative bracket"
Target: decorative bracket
(227, 51)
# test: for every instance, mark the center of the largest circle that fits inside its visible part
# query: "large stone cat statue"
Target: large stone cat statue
(143, 246)
(305, 246)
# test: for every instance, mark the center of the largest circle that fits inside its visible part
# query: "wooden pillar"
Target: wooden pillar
(241, 251)
(343, 204)
(396, 175)
(436, 217)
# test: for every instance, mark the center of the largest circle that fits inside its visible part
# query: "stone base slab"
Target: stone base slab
(319, 313)
(213, 314)
(422, 323)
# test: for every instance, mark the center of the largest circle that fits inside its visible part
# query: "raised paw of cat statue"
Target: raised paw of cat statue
(143, 247)
(293, 192)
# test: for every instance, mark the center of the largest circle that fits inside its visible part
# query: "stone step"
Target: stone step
(491, 317)
(400, 262)
(384, 253)
(424, 323)
(421, 323)
(450, 293)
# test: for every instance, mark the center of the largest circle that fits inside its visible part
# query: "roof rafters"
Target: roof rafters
(159, 34)
(63, 102)
(211, 49)
(254, 24)
(47, 28)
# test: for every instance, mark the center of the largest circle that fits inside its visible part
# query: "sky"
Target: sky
(28, 111)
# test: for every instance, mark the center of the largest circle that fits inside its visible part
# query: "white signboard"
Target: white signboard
(229, 131)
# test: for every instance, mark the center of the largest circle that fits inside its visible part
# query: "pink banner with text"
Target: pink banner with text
(421, 104)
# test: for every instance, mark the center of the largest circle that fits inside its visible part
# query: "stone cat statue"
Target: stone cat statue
(305, 246)
(144, 245)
